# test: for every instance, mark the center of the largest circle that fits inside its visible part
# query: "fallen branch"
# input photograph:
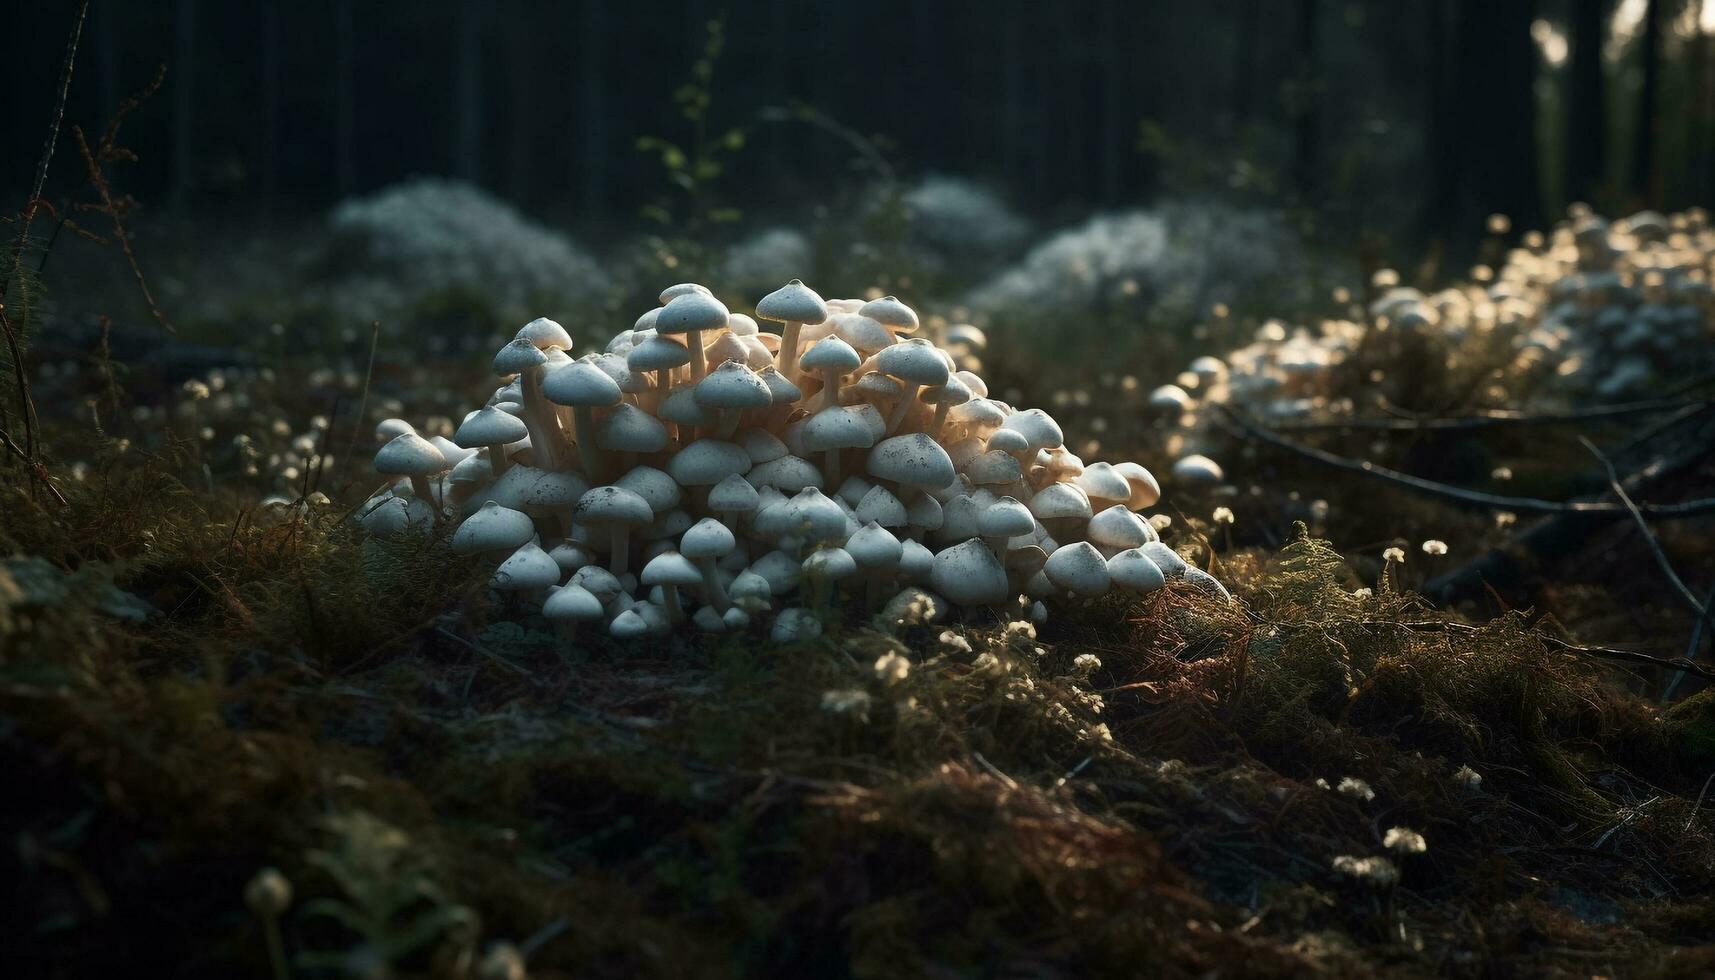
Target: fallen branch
(36, 470)
(1496, 418)
(1649, 536)
(1444, 491)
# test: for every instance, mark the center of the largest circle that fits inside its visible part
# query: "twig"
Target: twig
(1696, 807)
(109, 208)
(36, 469)
(1688, 508)
(41, 175)
(363, 401)
(20, 377)
(1649, 536)
(1690, 648)
(1491, 419)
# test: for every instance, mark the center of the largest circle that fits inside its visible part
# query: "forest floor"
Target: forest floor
(1329, 776)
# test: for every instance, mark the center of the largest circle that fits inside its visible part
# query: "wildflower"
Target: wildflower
(196, 389)
(1160, 522)
(1378, 872)
(948, 638)
(1501, 473)
(1355, 788)
(988, 663)
(1404, 841)
(1021, 627)
(1085, 664)
(1434, 547)
(1364, 593)
(268, 893)
(851, 702)
(891, 668)
(1223, 515)
(1468, 779)
(1394, 554)
(1505, 519)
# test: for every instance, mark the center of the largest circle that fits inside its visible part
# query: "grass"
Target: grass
(435, 775)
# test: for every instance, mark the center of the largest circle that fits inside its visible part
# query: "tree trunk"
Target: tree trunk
(270, 14)
(592, 108)
(1646, 178)
(467, 94)
(184, 99)
(1305, 166)
(345, 95)
(1497, 60)
(1587, 113)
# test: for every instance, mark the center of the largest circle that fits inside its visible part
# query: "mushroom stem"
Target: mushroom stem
(902, 408)
(830, 388)
(833, 467)
(421, 489)
(583, 429)
(670, 595)
(872, 590)
(713, 593)
(497, 458)
(699, 364)
(569, 631)
(620, 550)
(540, 419)
(997, 544)
(728, 423)
(940, 420)
(789, 351)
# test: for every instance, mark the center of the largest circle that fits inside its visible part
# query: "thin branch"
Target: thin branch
(41, 176)
(1496, 418)
(1692, 647)
(109, 208)
(1688, 508)
(36, 469)
(1649, 536)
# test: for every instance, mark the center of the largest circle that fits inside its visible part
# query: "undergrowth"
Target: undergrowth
(1308, 781)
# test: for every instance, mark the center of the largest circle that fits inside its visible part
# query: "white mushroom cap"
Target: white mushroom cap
(1117, 527)
(732, 386)
(657, 353)
(830, 354)
(925, 512)
(628, 625)
(1171, 398)
(969, 574)
(779, 570)
(600, 582)
(554, 490)
(1060, 500)
(761, 445)
(1166, 559)
(819, 518)
(681, 407)
(852, 490)
(518, 356)
(882, 507)
(732, 495)
(789, 473)
(1198, 469)
(780, 390)
(490, 427)
(838, 427)
(1208, 583)
(795, 625)
(528, 568)
(388, 429)
(993, 468)
(630, 429)
(708, 538)
(915, 561)
(1132, 571)
(450, 450)
(580, 383)
(571, 556)
(1078, 568)
(612, 505)
(860, 332)
(740, 325)
(727, 347)
(912, 459)
(1037, 427)
(873, 547)
(706, 462)
(915, 360)
(891, 313)
(831, 564)
(572, 602)
(545, 334)
(1101, 481)
(659, 490)
(410, 454)
(1145, 490)
(794, 302)
(694, 310)
(670, 568)
(735, 619)
(1006, 518)
(677, 290)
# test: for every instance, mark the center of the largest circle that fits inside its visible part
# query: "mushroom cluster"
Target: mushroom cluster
(1591, 309)
(701, 469)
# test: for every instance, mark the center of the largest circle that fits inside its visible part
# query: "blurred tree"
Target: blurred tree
(184, 98)
(467, 94)
(1645, 176)
(1306, 169)
(270, 162)
(1587, 116)
(345, 96)
(592, 106)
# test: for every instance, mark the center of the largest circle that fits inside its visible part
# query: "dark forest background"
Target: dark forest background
(1408, 118)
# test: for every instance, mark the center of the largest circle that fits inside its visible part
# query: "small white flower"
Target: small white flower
(1160, 522)
(1468, 779)
(1394, 554)
(1364, 593)
(1505, 519)
(1223, 515)
(1021, 627)
(1434, 547)
(1502, 473)
(850, 702)
(1085, 664)
(891, 668)
(1355, 788)
(951, 639)
(1402, 840)
(1376, 871)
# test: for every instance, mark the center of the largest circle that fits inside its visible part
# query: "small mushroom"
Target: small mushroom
(569, 606)
(671, 570)
(619, 511)
(413, 456)
(916, 363)
(584, 387)
(831, 357)
(491, 429)
(792, 305)
(704, 543)
(689, 314)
